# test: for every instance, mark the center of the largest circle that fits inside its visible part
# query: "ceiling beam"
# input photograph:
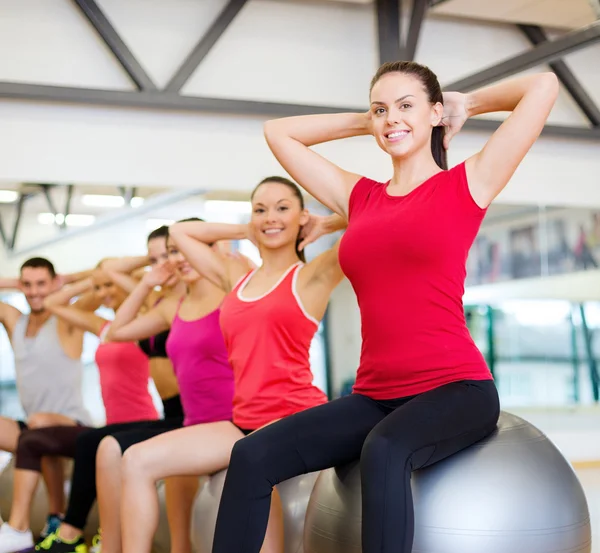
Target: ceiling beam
(206, 43)
(115, 43)
(584, 101)
(543, 53)
(389, 37)
(419, 8)
(174, 102)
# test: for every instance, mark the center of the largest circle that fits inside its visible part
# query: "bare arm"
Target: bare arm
(290, 139)
(9, 283)
(530, 99)
(74, 315)
(125, 264)
(9, 316)
(69, 278)
(324, 269)
(318, 226)
(127, 326)
(193, 239)
(125, 270)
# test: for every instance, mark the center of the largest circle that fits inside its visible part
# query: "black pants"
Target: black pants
(391, 438)
(83, 484)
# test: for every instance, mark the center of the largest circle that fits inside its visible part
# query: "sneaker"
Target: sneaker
(54, 544)
(52, 524)
(96, 543)
(12, 540)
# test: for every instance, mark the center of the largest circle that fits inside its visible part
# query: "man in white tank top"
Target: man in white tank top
(47, 365)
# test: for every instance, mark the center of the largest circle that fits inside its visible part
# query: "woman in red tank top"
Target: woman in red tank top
(423, 391)
(268, 319)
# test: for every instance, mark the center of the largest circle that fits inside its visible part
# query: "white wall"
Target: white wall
(574, 431)
(264, 56)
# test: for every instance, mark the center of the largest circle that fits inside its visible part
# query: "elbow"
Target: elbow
(176, 230)
(548, 84)
(270, 130)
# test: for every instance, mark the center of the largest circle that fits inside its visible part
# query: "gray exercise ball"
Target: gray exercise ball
(161, 542)
(511, 492)
(294, 494)
(39, 505)
(39, 508)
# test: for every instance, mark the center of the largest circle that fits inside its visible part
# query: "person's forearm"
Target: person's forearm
(129, 308)
(125, 264)
(9, 283)
(507, 95)
(316, 129)
(67, 293)
(208, 232)
(69, 278)
(335, 222)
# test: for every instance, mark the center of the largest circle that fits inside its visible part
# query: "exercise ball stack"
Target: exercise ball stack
(512, 492)
(294, 494)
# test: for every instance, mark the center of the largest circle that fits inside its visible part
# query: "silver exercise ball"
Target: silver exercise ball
(511, 492)
(162, 538)
(39, 505)
(294, 495)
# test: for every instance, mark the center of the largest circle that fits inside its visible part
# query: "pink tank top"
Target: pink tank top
(197, 351)
(124, 376)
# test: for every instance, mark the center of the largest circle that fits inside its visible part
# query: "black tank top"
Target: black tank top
(156, 346)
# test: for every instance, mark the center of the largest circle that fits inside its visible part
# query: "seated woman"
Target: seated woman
(83, 485)
(268, 318)
(205, 379)
(124, 376)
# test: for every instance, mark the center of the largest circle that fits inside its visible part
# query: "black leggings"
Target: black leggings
(83, 484)
(391, 438)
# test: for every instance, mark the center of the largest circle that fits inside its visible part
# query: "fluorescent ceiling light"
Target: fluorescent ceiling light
(153, 224)
(45, 218)
(102, 200)
(8, 196)
(80, 220)
(225, 206)
(73, 219)
(136, 201)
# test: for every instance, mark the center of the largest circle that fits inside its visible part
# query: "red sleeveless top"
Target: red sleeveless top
(268, 340)
(405, 257)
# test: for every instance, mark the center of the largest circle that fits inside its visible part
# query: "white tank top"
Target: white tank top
(48, 380)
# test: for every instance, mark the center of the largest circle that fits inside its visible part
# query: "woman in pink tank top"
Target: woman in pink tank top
(123, 367)
(197, 352)
(268, 319)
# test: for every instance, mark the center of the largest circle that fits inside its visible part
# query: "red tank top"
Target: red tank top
(268, 340)
(406, 260)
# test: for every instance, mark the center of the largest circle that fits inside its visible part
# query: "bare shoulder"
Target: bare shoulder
(168, 306)
(9, 315)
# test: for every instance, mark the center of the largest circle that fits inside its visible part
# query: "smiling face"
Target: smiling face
(403, 117)
(36, 283)
(277, 215)
(107, 292)
(159, 256)
(183, 269)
